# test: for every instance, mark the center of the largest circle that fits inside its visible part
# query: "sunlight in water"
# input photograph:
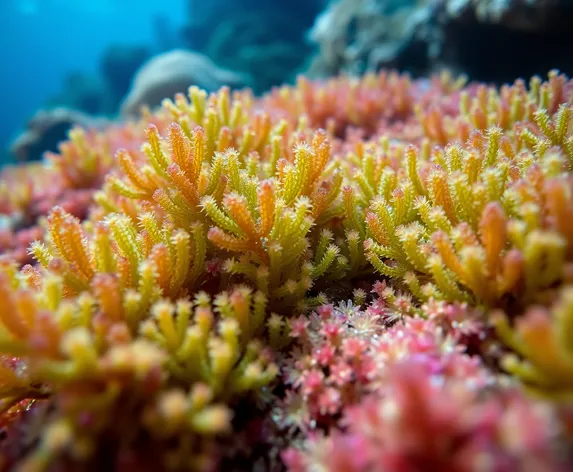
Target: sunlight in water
(84, 7)
(28, 7)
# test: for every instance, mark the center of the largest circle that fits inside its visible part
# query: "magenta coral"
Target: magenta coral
(342, 354)
(420, 423)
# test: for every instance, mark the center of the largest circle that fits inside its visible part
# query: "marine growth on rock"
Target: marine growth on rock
(349, 275)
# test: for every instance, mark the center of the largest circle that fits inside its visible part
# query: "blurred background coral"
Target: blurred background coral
(85, 56)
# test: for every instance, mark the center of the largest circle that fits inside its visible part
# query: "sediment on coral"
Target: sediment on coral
(250, 279)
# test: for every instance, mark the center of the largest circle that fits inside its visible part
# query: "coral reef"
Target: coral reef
(419, 425)
(358, 274)
(366, 35)
(472, 37)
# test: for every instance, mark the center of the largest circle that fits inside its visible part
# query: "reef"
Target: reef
(473, 37)
(356, 274)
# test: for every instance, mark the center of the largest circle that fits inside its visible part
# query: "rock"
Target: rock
(174, 72)
(487, 40)
(46, 129)
(357, 36)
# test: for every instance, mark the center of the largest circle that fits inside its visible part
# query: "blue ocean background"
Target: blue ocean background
(42, 41)
(83, 55)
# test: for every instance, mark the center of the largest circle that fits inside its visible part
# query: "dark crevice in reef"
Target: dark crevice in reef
(492, 53)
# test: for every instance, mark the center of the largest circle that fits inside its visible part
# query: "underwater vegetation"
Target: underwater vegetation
(345, 275)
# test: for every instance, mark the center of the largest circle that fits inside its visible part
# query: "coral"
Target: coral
(472, 37)
(173, 368)
(542, 348)
(365, 35)
(343, 354)
(421, 424)
(212, 300)
(254, 214)
(371, 102)
(67, 180)
(462, 215)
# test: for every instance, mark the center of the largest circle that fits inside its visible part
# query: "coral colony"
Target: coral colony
(368, 274)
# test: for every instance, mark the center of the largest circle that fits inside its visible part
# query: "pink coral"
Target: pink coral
(343, 354)
(421, 423)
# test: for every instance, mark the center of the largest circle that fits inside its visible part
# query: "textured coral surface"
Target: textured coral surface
(352, 275)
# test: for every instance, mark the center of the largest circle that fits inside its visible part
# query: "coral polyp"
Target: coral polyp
(243, 283)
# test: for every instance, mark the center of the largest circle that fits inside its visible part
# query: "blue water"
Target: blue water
(41, 41)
